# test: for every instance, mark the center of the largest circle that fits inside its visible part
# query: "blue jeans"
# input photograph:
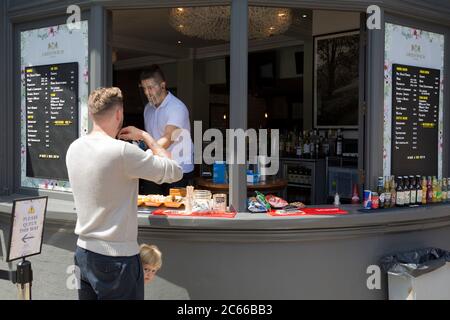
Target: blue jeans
(109, 278)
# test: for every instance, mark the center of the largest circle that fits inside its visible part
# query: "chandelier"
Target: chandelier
(213, 23)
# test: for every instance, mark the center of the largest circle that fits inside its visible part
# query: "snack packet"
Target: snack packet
(255, 206)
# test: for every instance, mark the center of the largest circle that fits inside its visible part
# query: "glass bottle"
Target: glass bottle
(339, 144)
(424, 191)
(444, 190)
(429, 190)
(406, 190)
(400, 199)
(418, 190)
(393, 192)
(387, 193)
(434, 192)
(448, 190)
(439, 190)
(380, 192)
(413, 190)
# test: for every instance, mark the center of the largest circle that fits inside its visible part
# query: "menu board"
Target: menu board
(415, 120)
(51, 118)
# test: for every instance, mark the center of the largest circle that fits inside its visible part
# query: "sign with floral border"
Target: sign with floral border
(414, 47)
(54, 45)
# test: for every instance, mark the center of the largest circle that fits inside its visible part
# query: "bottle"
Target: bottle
(429, 190)
(355, 194)
(448, 190)
(326, 146)
(380, 191)
(412, 190)
(339, 144)
(400, 200)
(393, 192)
(434, 192)
(424, 190)
(418, 190)
(387, 193)
(444, 190)
(407, 191)
(306, 150)
(439, 190)
(337, 201)
(300, 146)
(312, 146)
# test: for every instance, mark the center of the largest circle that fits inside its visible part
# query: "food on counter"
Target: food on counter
(298, 204)
(262, 199)
(276, 202)
(141, 200)
(175, 202)
(177, 192)
(255, 205)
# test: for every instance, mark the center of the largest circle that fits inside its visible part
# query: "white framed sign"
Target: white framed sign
(27, 227)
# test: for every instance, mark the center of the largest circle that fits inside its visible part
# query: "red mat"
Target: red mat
(308, 211)
(209, 214)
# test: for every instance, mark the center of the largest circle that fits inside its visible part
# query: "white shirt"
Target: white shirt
(172, 111)
(104, 174)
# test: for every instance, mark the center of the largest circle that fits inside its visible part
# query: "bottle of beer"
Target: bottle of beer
(412, 190)
(393, 192)
(406, 190)
(424, 191)
(444, 190)
(429, 190)
(387, 193)
(380, 190)
(418, 190)
(400, 201)
(448, 190)
(439, 190)
(434, 193)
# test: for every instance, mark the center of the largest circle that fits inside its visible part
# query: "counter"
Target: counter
(256, 256)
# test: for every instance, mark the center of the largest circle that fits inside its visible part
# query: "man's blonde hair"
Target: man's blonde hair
(151, 255)
(102, 100)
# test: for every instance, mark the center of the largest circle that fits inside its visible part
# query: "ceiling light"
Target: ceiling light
(213, 23)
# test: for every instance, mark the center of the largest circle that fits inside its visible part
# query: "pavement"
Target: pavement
(52, 281)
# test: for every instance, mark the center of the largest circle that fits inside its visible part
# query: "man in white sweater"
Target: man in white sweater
(104, 174)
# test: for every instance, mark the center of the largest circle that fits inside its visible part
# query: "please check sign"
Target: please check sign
(27, 227)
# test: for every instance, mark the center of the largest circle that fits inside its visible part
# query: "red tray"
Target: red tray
(209, 214)
(309, 211)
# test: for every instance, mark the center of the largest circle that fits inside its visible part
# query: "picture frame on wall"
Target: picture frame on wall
(336, 84)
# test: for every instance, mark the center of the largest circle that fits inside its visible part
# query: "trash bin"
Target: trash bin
(421, 274)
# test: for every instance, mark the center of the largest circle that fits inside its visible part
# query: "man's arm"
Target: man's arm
(133, 133)
(170, 135)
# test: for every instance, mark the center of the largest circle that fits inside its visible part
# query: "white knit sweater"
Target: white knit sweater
(104, 175)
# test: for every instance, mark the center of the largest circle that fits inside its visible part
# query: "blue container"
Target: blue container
(219, 172)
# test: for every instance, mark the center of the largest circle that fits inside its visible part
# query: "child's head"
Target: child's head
(151, 259)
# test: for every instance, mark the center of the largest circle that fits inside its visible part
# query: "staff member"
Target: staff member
(164, 116)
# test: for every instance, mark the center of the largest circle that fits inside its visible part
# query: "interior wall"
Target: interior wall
(334, 21)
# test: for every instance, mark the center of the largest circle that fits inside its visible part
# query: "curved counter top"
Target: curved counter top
(370, 221)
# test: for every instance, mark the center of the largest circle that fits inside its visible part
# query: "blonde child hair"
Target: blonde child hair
(150, 255)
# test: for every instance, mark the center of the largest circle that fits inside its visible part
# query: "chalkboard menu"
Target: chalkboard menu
(415, 120)
(51, 118)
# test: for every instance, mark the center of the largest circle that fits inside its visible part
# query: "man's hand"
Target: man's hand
(131, 133)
